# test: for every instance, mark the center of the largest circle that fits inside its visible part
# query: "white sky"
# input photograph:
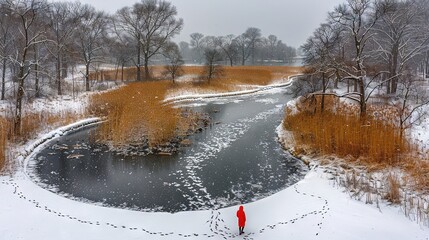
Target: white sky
(293, 21)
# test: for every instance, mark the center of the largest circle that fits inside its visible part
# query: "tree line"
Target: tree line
(372, 45)
(250, 47)
(41, 41)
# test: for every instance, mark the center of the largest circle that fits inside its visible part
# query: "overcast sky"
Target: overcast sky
(290, 20)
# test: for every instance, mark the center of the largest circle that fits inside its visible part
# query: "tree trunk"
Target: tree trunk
(64, 67)
(348, 85)
(337, 79)
(58, 70)
(322, 106)
(117, 70)
(36, 72)
(426, 74)
(20, 96)
(393, 69)
(87, 77)
(139, 78)
(146, 68)
(3, 80)
(362, 98)
(122, 72)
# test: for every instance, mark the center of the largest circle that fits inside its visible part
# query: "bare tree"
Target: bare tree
(152, 23)
(91, 38)
(412, 98)
(122, 51)
(229, 47)
(212, 56)
(6, 40)
(160, 26)
(128, 27)
(272, 42)
(320, 54)
(212, 68)
(174, 67)
(197, 46)
(400, 37)
(64, 18)
(253, 36)
(27, 14)
(357, 18)
(246, 44)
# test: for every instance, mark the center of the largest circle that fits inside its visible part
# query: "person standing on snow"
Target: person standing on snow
(241, 219)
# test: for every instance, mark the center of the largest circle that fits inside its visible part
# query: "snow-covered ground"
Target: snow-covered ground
(314, 208)
(311, 209)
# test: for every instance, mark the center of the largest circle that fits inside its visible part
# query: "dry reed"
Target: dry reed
(340, 131)
(32, 122)
(136, 114)
(393, 193)
(4, 127)
(253, 75)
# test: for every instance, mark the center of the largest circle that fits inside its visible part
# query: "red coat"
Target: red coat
(241, 217)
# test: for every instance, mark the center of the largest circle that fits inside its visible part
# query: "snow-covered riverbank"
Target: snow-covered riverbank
(311, 209)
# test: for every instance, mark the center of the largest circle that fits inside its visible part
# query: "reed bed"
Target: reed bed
(136, 115)
(377, 142)
(255, 75)
(4, 127)
(32, 123)
(339, 130)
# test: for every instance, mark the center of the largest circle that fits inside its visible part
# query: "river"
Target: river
(236, 160)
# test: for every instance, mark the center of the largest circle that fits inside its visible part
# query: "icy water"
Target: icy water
(237, 160)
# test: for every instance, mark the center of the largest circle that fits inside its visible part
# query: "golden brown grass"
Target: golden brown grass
(253, 75)
(136, 114)
(393, 193)
(340, 131)
(4, 127)
(375, 143)
(32, 123)
(418, 169)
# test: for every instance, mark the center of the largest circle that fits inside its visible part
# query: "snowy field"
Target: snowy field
(314, 208)
(311, 209)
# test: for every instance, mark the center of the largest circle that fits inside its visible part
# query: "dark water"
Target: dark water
(237, 160)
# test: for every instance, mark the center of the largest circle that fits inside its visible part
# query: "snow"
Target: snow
(186, 96)
(311, 208)
(314, 208)
(58, 104)
(420, 131)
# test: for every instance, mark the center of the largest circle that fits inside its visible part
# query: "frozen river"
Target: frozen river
(237, 160)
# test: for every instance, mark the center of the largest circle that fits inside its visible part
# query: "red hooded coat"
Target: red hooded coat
(241, 217)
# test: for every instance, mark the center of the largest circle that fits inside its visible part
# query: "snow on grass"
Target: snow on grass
(192, 96)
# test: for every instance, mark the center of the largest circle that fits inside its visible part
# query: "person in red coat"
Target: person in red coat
(241, 219)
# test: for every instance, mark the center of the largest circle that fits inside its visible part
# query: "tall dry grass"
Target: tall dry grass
(340, 131)
(33, 122)
(376, 143)
(136, 114)
(4, 127)
(257, 75)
